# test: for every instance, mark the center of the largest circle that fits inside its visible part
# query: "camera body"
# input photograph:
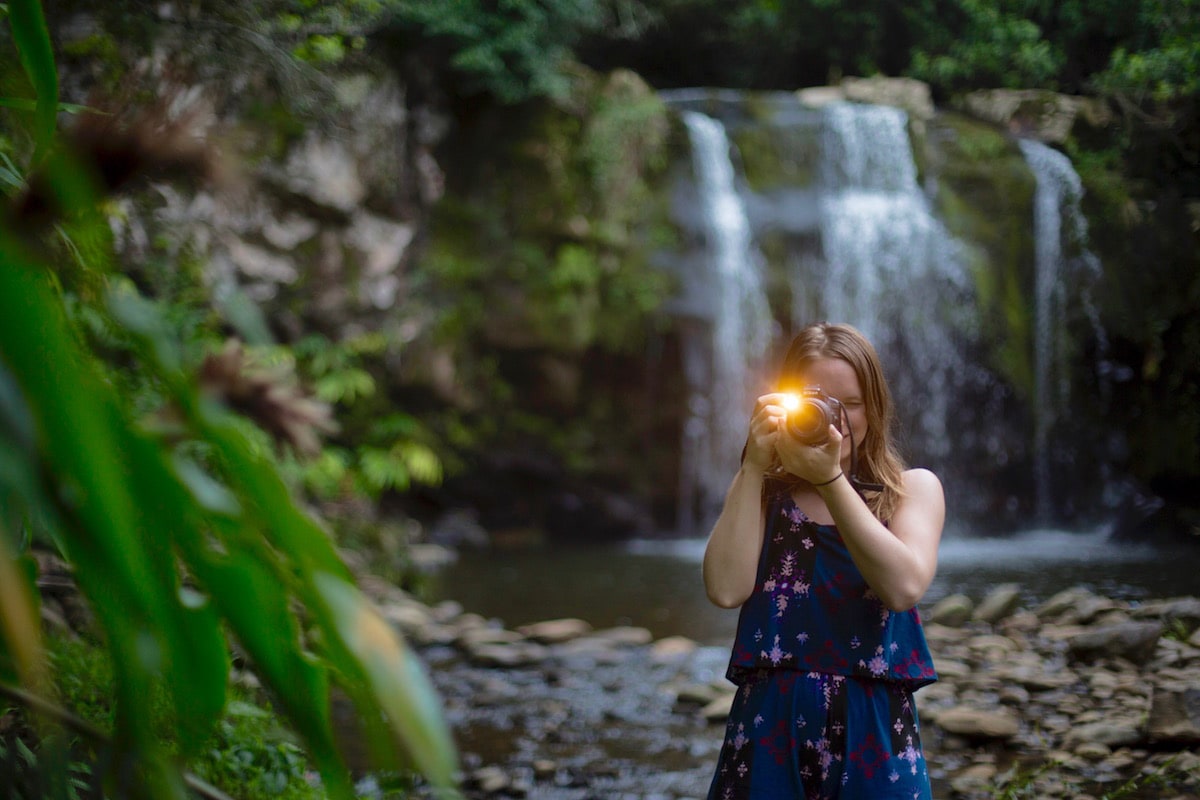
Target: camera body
(808, 423)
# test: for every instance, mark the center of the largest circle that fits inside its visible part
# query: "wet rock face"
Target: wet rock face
(561, 711)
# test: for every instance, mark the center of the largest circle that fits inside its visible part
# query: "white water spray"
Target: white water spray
(731, 289)
(1058, 226)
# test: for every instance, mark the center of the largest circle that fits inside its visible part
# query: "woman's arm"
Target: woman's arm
(731, 556)
(899, 560)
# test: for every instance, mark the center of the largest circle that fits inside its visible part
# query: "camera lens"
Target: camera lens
(809, 423)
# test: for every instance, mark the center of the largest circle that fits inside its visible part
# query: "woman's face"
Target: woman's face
(838, 379)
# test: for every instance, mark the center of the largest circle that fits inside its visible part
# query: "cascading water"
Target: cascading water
(834, 196)
(876, 258)
(889, 267)
(727, 291)
(1059, 229)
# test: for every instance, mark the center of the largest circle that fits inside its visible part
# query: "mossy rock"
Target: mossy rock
(985, 196)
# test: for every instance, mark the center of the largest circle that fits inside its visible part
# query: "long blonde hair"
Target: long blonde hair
(878, 459)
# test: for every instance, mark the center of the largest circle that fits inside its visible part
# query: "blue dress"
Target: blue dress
(825, 675)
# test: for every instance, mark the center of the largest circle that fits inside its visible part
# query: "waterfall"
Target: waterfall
(727, 292)
(889, 267)
(834, 195)
(879, 260)
(1059, 227)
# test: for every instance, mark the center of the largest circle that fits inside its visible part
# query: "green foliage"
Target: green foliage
(990, 47)
(1162, 64)
(250, 753)
(50, 773)
(514, 51)
(379, 448)
(176, 525)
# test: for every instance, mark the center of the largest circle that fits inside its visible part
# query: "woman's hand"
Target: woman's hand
(766, 429)
(814, 463)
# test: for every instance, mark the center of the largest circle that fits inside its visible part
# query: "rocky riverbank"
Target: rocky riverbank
(1078, 697)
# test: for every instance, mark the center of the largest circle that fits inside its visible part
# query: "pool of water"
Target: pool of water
(656, 584)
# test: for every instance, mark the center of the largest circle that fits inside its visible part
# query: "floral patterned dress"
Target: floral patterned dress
(825, 675)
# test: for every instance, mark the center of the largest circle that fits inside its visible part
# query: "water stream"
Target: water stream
(656, 583)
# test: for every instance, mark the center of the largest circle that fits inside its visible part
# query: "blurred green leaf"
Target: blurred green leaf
(345, 386)
(32, 38)
(395, 677)
(246, 317)
(21, 104)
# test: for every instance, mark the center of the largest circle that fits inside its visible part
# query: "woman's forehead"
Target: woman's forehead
(834, 375)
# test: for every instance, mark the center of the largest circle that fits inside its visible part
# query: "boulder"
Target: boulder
(979, 723)
(911, 95)
(555, 631)
(1134, 641)
(1175, 717)
(718, 709)
(1109, 732)
(1046, 116)
(999, 603)
(952, 611)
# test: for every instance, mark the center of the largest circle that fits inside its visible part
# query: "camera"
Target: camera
(809, 419)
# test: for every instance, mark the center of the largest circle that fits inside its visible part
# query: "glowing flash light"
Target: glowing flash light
(791, 402)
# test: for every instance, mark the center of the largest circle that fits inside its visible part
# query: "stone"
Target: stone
(1182, 615)
(671, 648)
(259, 263)
(820, 96)
(505, 655)
(1063, 601)
(1093, 751)
(325, 172)
(289, 232)
(1134, 641)
(718, 709)
(490, 780)
(979, 723)
(1117, 732)
(1042, 115)
(906, 93)
(999, 603)
(408, 617)
(474, 637)
(974, 778)
(993, 645)
(624, 635)
(952, 611)
(699, 694)
(1175, 716)
(556, 631)
(948, 669)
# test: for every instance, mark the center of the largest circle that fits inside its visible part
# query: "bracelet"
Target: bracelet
(831, 480)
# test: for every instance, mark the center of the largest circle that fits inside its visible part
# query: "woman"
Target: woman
(827, 548)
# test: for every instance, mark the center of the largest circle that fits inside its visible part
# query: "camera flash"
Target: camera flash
(791, 402)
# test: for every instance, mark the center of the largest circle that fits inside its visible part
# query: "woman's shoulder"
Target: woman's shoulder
(919, 476)
(921, 487)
